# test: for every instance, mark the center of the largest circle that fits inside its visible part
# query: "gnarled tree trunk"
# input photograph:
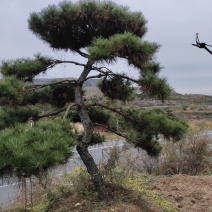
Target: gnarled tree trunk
(82, 146)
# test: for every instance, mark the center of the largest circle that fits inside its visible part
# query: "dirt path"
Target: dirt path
(188, 193)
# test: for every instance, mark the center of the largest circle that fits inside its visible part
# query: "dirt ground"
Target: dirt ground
(188, 193)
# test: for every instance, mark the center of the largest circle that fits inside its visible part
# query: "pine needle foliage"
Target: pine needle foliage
(96, 114)
(73, 26)
(9, 116)
(27, 151)
(25, 69)
(56, 95)
(144, 127)
(114, 87)
(9, 90)
(60, 94)
(154, 86)
(127, 46)
(35, 96)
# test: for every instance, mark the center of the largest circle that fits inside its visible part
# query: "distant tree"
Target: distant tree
(202, 45)
(101, 33)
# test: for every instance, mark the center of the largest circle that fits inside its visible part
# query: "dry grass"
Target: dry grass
(75, 192)
(200, 125)
(132, 191)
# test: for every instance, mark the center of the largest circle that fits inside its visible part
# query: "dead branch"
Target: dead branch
(202, 45)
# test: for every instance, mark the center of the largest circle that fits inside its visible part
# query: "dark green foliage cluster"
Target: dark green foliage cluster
(14, 92)
(127, 46)
(26, 69)
(18, 100)
(96, 138)
(9, 90)
(9, 116)
(99, 115)
(74, 26)
(151, 67)
(60, 94)
(154, 86)
(55, 94)
(116, 87)
(34, 96)
(96, 114)
(26, 151)
(144, 127)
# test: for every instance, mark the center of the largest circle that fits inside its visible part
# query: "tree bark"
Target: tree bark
(93, 171)
(82, 146)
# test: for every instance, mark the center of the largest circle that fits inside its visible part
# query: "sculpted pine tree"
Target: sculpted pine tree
(101, 33)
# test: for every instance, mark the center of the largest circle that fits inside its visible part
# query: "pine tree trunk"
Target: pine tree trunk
(93, 171)
(82, 146)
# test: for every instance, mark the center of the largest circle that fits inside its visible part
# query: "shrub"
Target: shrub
(185, 157)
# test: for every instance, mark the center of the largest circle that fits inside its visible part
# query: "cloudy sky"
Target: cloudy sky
(171, 23)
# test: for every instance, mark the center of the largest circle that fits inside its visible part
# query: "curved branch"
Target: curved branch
(100, 69)
(202, 45)
(94, 77)
(110, 73)
(111, 130)
(115, 110)
(52, 113)
(67, 110)
(126, 77)
(117, 133)
(82, 53)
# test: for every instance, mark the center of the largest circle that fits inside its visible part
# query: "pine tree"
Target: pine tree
(99, 32)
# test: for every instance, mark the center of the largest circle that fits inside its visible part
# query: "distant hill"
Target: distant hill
(92, 82)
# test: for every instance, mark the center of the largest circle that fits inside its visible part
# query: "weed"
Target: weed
(59, 192)
(209, 172)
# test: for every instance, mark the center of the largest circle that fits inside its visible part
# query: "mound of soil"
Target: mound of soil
(187, 193)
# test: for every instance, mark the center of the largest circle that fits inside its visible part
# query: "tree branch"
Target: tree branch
(110, 73)
(100, 69)
(202, 45)
(117, 133)
(82, 53)
(96, 76)
(111, 130)
(115, 110)
(67, 110)
(46, 85)
(52, 113)
(67, 61)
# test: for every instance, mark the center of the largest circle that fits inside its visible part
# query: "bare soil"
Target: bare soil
(187, 193)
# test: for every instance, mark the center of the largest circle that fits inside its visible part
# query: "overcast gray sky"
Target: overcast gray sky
(171, 23)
